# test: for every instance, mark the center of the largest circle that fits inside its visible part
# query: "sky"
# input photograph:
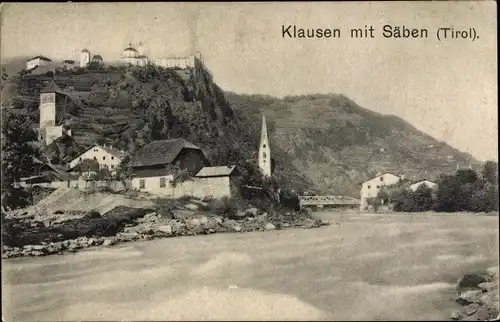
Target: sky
(447, 88)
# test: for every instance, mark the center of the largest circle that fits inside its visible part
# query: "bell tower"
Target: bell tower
(264, 150)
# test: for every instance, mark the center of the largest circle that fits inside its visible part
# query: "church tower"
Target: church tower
(264, 150)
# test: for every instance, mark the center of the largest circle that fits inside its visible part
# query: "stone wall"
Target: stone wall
(215, 187)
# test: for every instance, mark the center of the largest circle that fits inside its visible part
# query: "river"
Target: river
(364, 267)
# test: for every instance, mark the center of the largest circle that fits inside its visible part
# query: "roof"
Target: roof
(161, 152)
(113, 152)
(99, 57)
(216, 171)
(421, 180)
(41, 57)
(130, 49)
(52, 88)
(85, 51)
(69, 61)
(380, 176)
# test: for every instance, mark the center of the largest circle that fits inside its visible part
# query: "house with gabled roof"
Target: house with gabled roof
(416, 184)
(370, 188)
(154, 164)
(105, 155)
(37, 61)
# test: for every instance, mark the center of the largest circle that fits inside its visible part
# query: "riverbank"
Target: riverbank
(27, 234)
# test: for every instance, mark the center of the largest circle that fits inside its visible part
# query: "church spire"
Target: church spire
(264, 149)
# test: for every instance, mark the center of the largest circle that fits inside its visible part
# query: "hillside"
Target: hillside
(325, 143)
(338, 144)
(129, 107)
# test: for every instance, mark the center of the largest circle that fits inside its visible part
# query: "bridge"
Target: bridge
(328, 201)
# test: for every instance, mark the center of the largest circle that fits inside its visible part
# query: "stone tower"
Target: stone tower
(84, 58)
(50, 115)
(264, 150)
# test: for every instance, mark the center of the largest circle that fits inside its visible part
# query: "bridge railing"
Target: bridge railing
(327, 200)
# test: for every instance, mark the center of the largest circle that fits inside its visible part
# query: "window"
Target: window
(81, 159)
(112, 158)
(381, 178)
(378, 187)
(95, 158)
(163, 182)
(264, 146)
(95, 150)
(112, 166)
(142, 184)
(104, 158)
(264, 155)
(369, 186)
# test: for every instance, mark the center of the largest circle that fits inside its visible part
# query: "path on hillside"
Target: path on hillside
(371, 267)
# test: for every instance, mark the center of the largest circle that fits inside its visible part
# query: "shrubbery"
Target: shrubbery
(464, 191)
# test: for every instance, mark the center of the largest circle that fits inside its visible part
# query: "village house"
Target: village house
(370, 188)
(97, 59)
(152, 165)
(106, 156)
(415, 185)
(37, 61)
(218, 182)
(43, 174)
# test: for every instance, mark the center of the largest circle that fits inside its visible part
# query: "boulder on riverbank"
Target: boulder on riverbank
(478, 293)
(64, 231)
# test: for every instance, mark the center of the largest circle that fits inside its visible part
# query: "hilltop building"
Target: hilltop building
(37, 61)
(51, 113)
(84, 58)
(192, 61)
(134, 57)
(264, 150)
(97, 59)
(68, 63)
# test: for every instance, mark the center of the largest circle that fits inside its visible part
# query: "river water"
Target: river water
(364, 267)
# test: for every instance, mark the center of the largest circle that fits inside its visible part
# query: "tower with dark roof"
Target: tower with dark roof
(50, 113)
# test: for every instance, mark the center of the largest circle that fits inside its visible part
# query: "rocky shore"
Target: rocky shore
(41, 235)
(478, 293)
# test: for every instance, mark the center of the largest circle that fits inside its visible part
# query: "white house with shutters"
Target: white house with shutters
(106, 156)
(370, 188)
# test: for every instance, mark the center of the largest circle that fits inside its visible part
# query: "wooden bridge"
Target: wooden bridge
(328, 201)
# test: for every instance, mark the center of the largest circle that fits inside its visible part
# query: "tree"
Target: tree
(448, 193)
(490, 172)
(17, 158)
(422, 199)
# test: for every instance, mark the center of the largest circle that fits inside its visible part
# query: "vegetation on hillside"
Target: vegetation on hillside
(337, 144)
(17, 158)
(129, 107)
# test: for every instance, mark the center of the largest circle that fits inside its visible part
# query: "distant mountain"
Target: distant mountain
(337, 144)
